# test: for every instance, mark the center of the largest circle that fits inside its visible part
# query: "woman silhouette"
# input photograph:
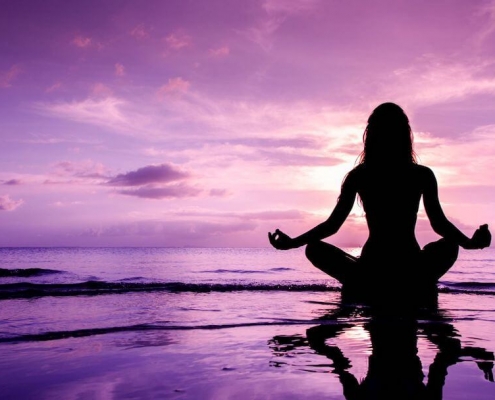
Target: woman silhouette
(390, 184)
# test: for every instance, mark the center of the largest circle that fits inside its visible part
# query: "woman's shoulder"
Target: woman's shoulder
(423, 170)
(360, 171)
(424, 175)
(356, 173)
(352, 178)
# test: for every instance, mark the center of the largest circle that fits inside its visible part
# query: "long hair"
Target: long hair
(388, 138)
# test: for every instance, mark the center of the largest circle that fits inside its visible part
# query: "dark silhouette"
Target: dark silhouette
(390, 184)
(395, 370)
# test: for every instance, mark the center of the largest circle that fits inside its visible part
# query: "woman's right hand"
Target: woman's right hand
(280, 240)
(481, 238)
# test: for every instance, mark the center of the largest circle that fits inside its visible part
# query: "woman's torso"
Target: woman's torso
(390, 197)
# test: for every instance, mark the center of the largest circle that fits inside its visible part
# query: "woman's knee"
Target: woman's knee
(314, 250)
(450, 249)
(442, 253)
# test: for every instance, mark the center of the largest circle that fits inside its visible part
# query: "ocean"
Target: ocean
(232, 323)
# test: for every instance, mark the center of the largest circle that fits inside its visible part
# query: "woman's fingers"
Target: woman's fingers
(279, 239)
(482, 237)
(273, 240)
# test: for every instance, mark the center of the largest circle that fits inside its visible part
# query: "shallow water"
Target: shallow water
(229, 323)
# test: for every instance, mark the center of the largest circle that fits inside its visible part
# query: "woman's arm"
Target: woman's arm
(344, 205)
(442, 225)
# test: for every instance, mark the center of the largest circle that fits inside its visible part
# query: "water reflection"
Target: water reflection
(394, 369)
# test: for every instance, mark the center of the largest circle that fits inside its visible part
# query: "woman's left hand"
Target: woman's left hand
(280, 240)
(482, 237)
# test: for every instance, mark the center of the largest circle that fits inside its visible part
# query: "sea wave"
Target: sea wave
(26, 272)
(91, 288)
(55, 335)
(488, 285)
(95, 287)
(247, 271)
(235, 271)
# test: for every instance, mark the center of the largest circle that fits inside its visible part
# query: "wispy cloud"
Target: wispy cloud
(56, 86)
(101, 90)
(140, 32)
(151, 174)
(175, 233)
(174, 86)
(476, 148)
(433, 80)
(82, 169)
(166, 192)
(82, 41)
(37, 138)
(219, 192)
(13, 182)
(262, 32)
(276, 13)
(6, 77)
(119, 69)
(8, 204)
(164, 181)
(108, 112)
(220, 51)
(268, 215)
(289, 6)
(486, 17)
(66, 204)
(178, 40)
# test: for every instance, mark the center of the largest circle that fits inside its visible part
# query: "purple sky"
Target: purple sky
(209, 123)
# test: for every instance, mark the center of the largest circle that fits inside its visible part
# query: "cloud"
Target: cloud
(83, 169)
(8, 204)
(140, 32)
(151, 174)
(433, 80)
(289, 6)
(262, 33)
(13, 182)
(66, 204)
(119, 69)
(268, 215)
(276, 13)
(220, 52)
(219, 192)
(6, 77)
(107, 112)
(54, 87)
(271, 215)
(101, 90)
(166, 192)
(460, 161)
(170, 233)
(286, 158)
(45, 139)
(177, 41)
(174, 86)
(155, 182)
(82, 41)
(486, 11)
(295, 142)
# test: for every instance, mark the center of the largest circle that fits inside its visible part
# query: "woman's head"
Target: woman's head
(388, 138)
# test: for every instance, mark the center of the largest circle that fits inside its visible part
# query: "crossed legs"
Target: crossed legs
(435, 259)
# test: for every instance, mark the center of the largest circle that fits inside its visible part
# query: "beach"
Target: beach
(147, 323)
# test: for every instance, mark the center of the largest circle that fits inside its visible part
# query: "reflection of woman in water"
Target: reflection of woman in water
(390, 184)
(395, 370)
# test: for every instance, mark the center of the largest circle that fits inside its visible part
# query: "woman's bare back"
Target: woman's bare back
(390, 199)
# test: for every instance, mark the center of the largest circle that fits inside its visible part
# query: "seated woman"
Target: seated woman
(390, 184)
